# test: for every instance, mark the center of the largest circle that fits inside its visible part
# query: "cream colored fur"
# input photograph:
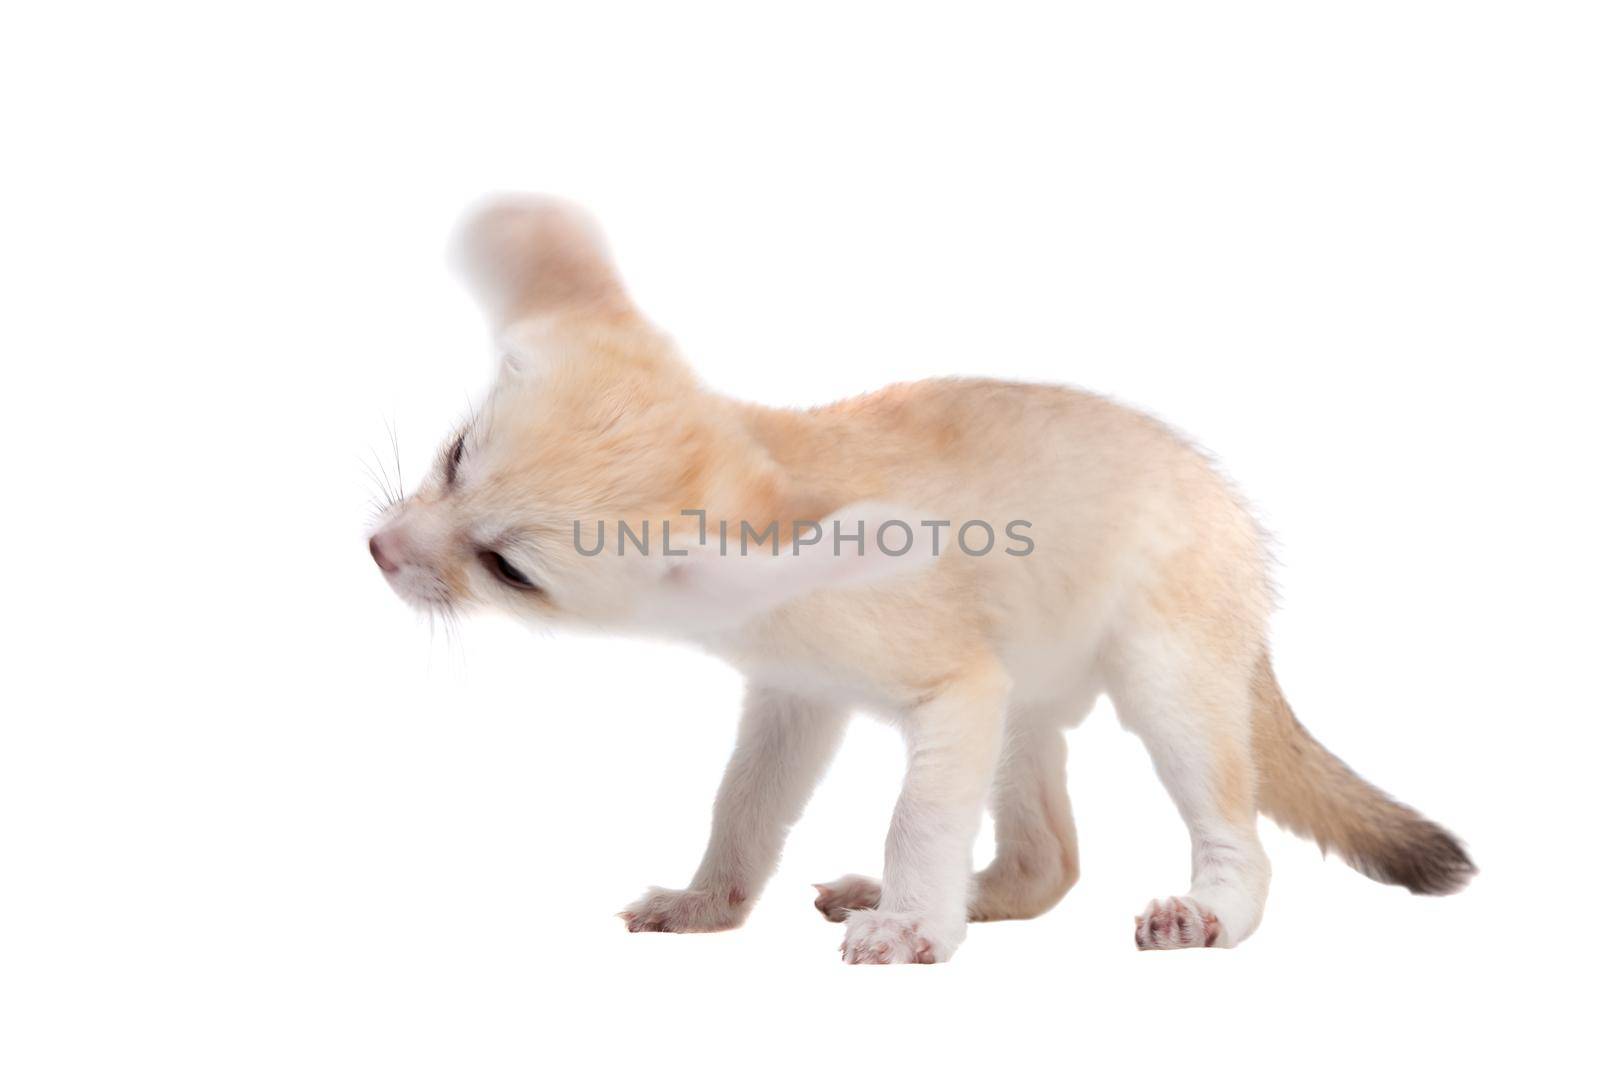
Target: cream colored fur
(1147, 581)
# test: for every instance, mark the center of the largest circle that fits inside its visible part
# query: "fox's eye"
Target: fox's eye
(502, 569)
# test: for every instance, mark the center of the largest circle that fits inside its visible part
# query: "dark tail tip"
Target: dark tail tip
(1425, 858)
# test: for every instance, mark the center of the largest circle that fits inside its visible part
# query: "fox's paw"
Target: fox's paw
(684, 911)
(1176, 922)
(838, 898)
(885, 937)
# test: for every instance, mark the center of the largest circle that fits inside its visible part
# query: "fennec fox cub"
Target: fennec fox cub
(977, 561)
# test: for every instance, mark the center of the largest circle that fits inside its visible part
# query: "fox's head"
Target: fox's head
(594, 421)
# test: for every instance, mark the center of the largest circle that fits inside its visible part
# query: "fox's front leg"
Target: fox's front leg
(785, 743)
(953, 741)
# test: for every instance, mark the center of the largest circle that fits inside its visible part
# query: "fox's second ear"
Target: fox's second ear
(526, 256)
(864, 544)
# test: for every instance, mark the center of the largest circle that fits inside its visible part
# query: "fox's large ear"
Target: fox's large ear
(864, 544)
(526, 256)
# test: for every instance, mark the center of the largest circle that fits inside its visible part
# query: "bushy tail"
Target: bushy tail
(1307, 789)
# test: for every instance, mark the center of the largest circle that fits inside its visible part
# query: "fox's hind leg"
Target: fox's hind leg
(1036, 843)
(1190, 704)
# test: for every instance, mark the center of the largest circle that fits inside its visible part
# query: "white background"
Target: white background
(251, 811)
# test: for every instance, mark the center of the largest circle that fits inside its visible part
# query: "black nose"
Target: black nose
(384, 562)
